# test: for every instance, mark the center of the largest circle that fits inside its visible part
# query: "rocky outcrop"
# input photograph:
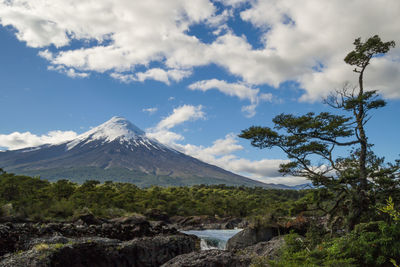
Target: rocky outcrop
(99, 252)
(126, 241)
(129, 241)
(242, 257)
(269, 249)
(209, 258)
(16, 236)
(251, 236)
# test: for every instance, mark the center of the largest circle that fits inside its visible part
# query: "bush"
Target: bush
(369, 244)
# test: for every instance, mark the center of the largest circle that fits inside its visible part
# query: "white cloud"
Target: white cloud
(221, 154)
(125, 33)
(156, 74)
(17, 140)
(220, 147)
(151, 111)
(234, 3)
(125, 78)
(162, 75)
(301, 37)
(164, 136)
(240, 90)
(299, 41)
(180, 115)
(46, 54)
(250, 110)
(70, 72)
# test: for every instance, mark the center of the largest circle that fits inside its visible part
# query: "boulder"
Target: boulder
(135, 219)
(16, 236)
(209, 258)
(157, 215)
(88, 219)
(250, 236)
(269, 249)
(232, 223)
(102, 252)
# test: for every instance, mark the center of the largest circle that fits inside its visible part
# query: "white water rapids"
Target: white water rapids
(213, 239)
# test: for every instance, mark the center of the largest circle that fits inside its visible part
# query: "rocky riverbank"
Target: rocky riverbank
(131, 241)
(88, 241)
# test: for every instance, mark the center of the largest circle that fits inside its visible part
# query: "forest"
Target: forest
(39, 199)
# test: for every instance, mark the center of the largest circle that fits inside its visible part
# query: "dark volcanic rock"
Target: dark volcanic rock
(89, 219)
(269, 249)
(157, 215)
(251, 236)
(103, 252)
(209, 258)
(220, 258)
(17, 236)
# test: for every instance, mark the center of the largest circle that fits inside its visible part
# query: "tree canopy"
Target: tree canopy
(310, 141)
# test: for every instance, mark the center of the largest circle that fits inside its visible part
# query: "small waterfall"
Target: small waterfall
(212, 243)
(213, 239)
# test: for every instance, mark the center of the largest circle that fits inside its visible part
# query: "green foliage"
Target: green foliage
(353, 184)
(390, 210)
(375, 243)
(365, 51)
(41, 200)
(371, 244)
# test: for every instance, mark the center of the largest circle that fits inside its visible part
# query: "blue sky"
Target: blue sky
(191, 73)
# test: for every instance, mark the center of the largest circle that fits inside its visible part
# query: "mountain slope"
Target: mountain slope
(119, 151)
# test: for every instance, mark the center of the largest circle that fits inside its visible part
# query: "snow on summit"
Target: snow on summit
(116, 127)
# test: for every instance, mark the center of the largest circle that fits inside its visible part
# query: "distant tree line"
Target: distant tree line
(39, 199)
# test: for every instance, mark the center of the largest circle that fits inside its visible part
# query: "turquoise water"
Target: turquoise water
(213, 239)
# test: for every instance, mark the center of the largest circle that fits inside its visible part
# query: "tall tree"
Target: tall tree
(310, 142)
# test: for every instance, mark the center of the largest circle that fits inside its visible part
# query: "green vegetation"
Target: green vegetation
(351, 190)
(39, 199)
(351, 215)
(376, 243)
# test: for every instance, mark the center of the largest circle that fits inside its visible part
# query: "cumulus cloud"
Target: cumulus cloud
(179, 115)
(298, 42)
(221, 153)
(151, 111)
(156, 74)
(240, 90)
(164, 136)
(17, 140)
(124, 33)
(70, 72)
(234, 3)
(314, 43)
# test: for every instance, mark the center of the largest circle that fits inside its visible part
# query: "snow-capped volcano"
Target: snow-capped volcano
(116, 129)
(117, 150)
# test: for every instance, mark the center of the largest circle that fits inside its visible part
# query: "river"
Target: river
(213, 239)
